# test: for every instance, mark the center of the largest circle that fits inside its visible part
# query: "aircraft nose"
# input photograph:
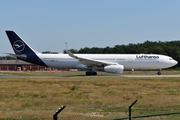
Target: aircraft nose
(175, 62)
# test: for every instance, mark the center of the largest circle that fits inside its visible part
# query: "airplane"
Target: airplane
(112, 63)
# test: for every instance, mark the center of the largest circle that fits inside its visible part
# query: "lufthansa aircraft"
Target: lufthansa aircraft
(113, 63)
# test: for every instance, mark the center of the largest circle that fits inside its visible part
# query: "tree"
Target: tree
(49, 52)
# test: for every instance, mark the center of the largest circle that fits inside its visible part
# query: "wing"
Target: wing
(90, 62)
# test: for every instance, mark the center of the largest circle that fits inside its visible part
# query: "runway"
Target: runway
(5, 75)
(80, 76)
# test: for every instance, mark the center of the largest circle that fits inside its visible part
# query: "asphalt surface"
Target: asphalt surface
(122, 75)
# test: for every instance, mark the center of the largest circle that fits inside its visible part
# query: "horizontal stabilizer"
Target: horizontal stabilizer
(21, 57)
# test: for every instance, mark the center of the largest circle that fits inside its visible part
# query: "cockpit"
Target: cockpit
(172, 61)
(171, 58)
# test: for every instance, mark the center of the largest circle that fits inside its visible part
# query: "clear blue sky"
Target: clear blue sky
(47, 24)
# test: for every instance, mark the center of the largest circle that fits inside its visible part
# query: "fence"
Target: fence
(165, 113)
(108, 116)
(137, 114)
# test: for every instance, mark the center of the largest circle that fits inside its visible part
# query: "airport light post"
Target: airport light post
(66, 46)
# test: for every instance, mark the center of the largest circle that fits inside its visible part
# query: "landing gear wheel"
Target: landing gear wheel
(88, 73)
(94, 73)
(159, 72)
(91, 73)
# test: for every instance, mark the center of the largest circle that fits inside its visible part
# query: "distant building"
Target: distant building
(19, 65)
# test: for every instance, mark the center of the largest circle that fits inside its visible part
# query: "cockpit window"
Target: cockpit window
(170, 59)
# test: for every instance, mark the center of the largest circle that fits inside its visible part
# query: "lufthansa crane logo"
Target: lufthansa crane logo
(18, 46)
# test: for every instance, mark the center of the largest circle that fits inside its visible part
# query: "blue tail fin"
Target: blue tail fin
(18, 45)
(22, 50)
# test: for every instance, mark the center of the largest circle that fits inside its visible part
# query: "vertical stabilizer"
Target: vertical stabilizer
(21, 48)
(18, 45)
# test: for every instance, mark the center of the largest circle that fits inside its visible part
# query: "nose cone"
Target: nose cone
(175, 62)
(172, 63)
(168, 62)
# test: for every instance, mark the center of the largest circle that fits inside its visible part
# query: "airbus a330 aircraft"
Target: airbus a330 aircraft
(113, 63)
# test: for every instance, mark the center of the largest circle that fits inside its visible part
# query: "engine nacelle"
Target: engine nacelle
(114, 68)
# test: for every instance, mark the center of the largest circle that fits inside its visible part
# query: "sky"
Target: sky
(46, 25)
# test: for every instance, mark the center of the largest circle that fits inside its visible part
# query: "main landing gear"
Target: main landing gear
(159, 72)
(91, 73)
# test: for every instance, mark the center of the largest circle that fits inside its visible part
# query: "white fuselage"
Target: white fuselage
(129, 61)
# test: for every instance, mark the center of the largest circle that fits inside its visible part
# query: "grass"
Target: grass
(40, 94)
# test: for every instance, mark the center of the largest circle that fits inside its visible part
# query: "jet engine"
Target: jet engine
(114, 68)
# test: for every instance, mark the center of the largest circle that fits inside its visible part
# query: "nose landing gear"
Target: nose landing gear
(159, 72)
